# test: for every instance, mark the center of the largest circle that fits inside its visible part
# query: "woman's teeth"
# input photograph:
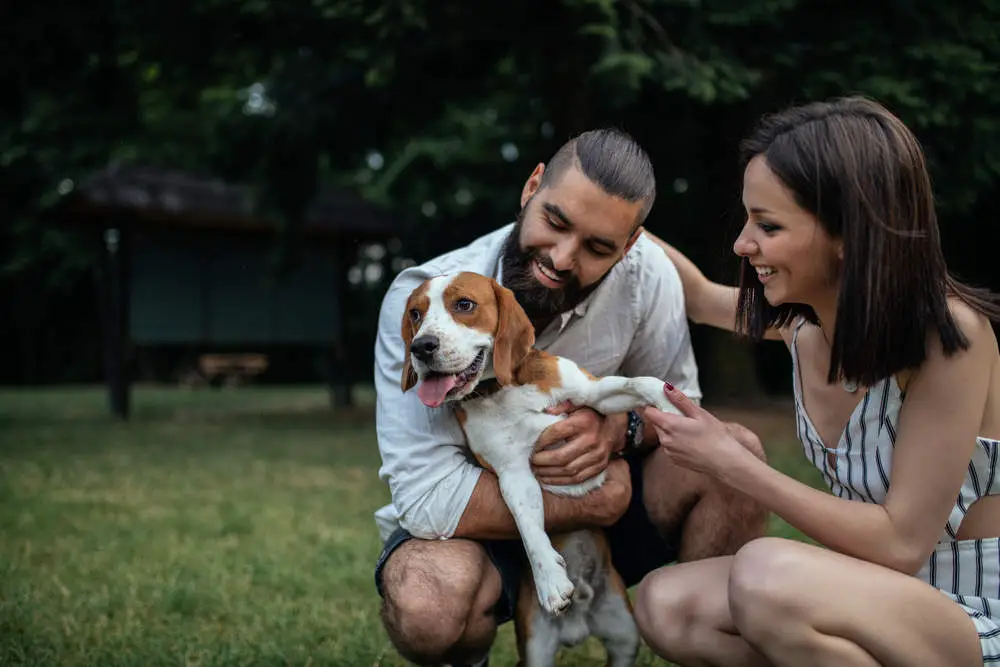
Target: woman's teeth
(763, 272)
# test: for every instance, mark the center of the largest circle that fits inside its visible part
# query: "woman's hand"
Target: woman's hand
(694, 439)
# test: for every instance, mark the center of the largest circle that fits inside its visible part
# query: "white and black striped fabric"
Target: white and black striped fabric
(858, 468)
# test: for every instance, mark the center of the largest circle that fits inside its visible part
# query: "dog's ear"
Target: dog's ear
(409, 377)
(514, 335)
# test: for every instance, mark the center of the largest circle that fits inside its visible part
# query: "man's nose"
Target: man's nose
(424, 347)
(563, 256)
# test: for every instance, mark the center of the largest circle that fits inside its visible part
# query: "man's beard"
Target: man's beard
(541, 303)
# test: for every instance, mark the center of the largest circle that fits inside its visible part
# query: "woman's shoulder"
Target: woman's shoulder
(799, 330)
(975, 325)
(981, 347)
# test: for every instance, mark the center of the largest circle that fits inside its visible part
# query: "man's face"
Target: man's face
(568, 235)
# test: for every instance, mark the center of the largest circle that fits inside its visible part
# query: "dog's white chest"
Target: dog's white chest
(503, 427)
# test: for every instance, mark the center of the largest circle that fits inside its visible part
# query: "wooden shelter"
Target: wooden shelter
(188, 260)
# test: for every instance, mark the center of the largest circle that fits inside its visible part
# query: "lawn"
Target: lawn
(227, 527)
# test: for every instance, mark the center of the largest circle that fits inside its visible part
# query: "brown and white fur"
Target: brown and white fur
(463, 329)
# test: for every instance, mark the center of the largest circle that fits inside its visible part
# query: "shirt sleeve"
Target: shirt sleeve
(662, 343)
(424, 458)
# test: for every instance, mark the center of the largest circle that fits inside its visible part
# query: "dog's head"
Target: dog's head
(453, 326)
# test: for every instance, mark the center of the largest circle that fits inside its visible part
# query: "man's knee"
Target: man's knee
(747, 438)
(711, 518)
(431, 590)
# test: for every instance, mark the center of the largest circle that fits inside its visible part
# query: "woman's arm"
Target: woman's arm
(936, 434)
(707, 302)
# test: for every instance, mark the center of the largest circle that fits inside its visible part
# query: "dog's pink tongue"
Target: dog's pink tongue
(433, 389)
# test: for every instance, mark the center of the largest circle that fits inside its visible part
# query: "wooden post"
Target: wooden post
(115, 321)
(338, 366)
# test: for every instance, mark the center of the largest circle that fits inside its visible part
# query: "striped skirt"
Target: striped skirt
(968, 571)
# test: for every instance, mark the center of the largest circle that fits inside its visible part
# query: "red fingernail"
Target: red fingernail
(667, 386)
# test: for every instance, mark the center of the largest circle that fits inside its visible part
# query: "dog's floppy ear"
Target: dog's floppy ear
(514, 335)
(409, 377)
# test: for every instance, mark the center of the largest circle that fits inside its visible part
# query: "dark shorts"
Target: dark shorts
(637, 548)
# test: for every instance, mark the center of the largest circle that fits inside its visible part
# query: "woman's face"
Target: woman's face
(796, 260)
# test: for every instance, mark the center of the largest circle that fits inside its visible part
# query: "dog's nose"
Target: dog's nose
(423, 347)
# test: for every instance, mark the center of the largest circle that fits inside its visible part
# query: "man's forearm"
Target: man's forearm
(486, 517)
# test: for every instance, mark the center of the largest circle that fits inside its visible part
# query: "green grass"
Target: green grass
(225, 527)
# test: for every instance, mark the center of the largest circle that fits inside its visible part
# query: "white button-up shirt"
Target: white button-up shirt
(633, 324)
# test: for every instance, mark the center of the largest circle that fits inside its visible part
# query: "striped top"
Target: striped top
(859, 468)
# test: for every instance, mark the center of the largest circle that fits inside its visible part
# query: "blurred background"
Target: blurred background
(203, 202)
(246, 177)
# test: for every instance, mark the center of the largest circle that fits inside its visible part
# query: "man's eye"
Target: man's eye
(599, 251)
(465, 305)
(414, 315)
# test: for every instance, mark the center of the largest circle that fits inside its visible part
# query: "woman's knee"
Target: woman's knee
(430, 593)
(670, 612)
(763, 594)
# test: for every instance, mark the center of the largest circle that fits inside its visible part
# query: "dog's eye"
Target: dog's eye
(414, 315)
(465, 305)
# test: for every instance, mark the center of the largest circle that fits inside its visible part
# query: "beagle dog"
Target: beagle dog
(470, 344)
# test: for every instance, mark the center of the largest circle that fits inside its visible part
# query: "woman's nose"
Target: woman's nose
(745, 245)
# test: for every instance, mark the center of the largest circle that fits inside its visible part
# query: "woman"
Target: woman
(841, 259)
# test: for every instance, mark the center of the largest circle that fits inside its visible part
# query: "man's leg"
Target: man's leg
(700, 516)
(443, 599)
(679, 515)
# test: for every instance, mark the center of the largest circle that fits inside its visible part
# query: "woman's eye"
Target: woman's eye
(768, 227)
(464, 305)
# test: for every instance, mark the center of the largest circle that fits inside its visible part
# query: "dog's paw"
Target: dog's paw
(555, 590)
(658, 399)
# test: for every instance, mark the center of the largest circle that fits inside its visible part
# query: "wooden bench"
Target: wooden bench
(235, 369)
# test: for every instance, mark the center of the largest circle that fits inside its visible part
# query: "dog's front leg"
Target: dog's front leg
(523, 496)
(614, 394)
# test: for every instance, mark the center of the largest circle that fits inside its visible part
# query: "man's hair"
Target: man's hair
(613, 160)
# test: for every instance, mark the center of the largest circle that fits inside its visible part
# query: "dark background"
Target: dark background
(423, 119)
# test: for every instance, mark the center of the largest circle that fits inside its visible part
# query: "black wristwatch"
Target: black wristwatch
(633, 435)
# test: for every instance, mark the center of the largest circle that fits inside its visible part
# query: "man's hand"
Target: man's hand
(578, 447)
(613, 497)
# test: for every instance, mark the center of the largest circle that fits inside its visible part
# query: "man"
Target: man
(604, 295)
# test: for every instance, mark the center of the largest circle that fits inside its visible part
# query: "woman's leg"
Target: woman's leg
(683, 615)
(799, 604)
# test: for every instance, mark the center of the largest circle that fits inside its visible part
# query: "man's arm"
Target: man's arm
(487, 517)
(429, 476)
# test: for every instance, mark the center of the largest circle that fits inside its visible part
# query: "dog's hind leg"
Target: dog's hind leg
(542, 644)
(612, 622)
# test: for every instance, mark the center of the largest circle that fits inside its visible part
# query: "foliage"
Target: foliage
(439, 110)
(293, 96)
